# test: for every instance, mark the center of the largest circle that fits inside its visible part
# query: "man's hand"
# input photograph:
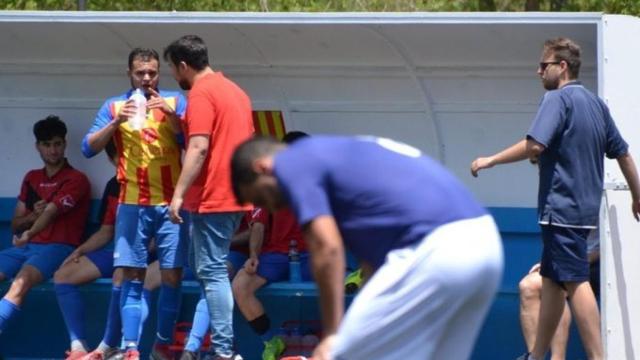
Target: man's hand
(481, 163)
(174, 210)
(73, 257)
(251, 265)
(126, 111)
(158, 102)
(323, 350)
(635, 208)
(23, 239)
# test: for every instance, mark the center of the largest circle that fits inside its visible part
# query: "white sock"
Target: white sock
(78, 345)
(103, 347)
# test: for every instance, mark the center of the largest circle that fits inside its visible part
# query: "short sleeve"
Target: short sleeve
(616, 146)
(550, 119)
(200, 115)
(181, 106)
(304, 182)
(71, 193)
(109, 203)
(259, 215)
(103, 118)
(24, 189)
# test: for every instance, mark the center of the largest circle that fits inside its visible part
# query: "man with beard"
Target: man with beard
(570, 135)
(218, 119)
(148, 167)
(48, 221)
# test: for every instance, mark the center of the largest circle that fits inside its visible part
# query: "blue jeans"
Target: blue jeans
(210, 240)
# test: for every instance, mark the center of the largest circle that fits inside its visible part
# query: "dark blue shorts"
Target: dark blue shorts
(594, 279)
(274, 267)
(237, 260)
(44, 257)
(564, 254)
(103, 260)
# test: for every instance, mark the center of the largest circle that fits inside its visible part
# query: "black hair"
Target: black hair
(110, 149)
(48, 128)
(293, 136)
(242, 172)
(189, 49)
(143, 54)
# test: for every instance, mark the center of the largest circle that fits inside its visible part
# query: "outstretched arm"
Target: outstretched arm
(526, 148)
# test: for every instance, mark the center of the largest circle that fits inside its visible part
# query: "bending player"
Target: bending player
(436, 249)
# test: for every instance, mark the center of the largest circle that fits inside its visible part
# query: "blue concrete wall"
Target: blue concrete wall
(39, 330)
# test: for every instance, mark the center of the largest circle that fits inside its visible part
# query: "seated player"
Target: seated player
(48, 221)
(269, 241)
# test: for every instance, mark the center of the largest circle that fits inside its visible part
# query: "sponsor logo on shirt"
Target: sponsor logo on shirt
(149, 135)
(67, 201)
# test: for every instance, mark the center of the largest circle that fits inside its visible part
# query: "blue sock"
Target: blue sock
(113, 329)
(168, 303)
(146, 301)
(131, 311)
(7, 311)
(72, 308)
(199, 327)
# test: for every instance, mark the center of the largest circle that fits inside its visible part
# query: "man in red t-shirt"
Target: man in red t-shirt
(218, 119)
(49, 218)
(271, 235)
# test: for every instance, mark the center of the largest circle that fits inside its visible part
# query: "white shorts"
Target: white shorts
(427, 301)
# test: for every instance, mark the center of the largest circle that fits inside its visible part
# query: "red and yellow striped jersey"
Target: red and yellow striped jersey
(149, 159)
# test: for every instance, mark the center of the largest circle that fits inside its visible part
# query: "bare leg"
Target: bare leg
(587, 315)
(551, 307)
(561, 337)
(530, 287)
(244, 288)
(77, 273)
(27, 278)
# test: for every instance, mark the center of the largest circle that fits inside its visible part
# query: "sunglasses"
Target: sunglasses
(543, 65)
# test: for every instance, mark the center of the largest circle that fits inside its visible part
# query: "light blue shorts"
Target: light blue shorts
(136, 225)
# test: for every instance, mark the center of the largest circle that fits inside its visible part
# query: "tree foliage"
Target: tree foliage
(607, 6)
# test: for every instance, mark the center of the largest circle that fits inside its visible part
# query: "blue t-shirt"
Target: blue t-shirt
(384, 195)
(577, 130)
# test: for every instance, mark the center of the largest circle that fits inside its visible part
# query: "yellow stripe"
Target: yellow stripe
(262, 121)
(278, 124)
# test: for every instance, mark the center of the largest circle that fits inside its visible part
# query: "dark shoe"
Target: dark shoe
(161, 352)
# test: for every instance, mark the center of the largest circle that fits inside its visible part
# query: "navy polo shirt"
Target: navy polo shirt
(384, 195)
(577, 130)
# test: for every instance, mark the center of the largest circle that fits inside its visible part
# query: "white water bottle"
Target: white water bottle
(136, 122)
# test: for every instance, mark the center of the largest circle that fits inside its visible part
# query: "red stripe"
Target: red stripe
(272, 128)
(144, 198)
(167, 184)
(121, 172)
